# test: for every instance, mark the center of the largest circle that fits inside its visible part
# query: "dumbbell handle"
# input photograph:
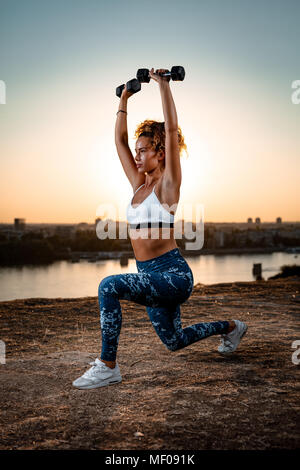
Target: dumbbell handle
(166, 74)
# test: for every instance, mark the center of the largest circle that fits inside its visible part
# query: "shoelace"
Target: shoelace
(95, 366)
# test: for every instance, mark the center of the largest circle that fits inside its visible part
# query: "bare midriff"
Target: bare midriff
(149, 243)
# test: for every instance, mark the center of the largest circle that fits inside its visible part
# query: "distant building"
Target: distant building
(278, 220)
(82, 226)
(249, 221)
(65, 230)
(20, 224)
(219, 239)
(257, 220)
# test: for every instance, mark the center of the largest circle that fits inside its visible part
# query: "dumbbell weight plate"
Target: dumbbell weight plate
(177, 73)
(133, 85)
(143, 75)
(119, 90)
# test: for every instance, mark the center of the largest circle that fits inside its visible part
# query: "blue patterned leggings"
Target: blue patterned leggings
(161, 284)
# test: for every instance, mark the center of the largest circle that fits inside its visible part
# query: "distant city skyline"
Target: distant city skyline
(62, 61)
(250, 221)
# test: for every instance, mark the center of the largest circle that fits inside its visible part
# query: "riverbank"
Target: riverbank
(41, 252)
(189, 399)
(123, 255)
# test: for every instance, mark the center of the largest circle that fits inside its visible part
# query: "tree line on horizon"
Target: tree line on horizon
(33, 248)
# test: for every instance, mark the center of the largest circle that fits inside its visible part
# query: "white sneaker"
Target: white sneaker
(230, 341)
(98, 376)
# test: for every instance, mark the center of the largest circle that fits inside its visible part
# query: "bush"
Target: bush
(28, 251)
(287, 270)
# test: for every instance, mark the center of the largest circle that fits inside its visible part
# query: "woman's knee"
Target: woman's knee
(107, 285)
(172, 344)
(172, 347)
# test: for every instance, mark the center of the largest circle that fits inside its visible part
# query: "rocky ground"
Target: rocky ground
(193, 398)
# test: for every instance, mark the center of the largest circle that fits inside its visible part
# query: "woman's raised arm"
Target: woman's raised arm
(121, 141)
(172, 172)
(121, 133)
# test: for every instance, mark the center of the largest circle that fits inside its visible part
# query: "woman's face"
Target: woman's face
(146, 158)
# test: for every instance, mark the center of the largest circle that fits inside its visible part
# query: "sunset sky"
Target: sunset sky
(61, 61)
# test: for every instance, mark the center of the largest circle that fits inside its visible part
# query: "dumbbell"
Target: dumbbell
(177, 73)
(133, 86)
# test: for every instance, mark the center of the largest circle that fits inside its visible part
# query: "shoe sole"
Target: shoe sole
(241, 337)
(89, 387)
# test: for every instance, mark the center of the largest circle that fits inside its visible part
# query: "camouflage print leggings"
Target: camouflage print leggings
(161, 284)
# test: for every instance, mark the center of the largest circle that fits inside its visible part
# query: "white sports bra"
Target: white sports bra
(149, 213)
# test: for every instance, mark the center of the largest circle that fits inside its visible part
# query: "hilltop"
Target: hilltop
(189, 399)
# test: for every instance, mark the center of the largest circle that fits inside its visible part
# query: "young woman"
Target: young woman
(164, 279)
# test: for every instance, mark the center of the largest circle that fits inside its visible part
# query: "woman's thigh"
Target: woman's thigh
(151, 289)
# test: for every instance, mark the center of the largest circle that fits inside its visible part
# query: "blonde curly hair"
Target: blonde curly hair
(156, 131)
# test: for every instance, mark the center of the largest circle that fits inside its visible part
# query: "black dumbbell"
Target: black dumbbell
(133, 86)
(177, 73)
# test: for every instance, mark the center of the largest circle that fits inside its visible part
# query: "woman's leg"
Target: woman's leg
(161, 293)
(149, 289)
(167, 324)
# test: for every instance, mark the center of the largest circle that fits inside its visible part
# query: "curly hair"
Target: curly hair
(156, 131)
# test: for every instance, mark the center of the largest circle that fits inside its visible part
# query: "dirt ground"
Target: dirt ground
(190, 399)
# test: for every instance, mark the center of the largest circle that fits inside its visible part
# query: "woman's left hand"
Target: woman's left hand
(158, 78)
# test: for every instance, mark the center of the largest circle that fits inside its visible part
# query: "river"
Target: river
(69, 280)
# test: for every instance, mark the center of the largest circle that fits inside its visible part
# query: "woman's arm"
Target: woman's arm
(169, 110)
(172, 172)
(123, 149)
(121, 133)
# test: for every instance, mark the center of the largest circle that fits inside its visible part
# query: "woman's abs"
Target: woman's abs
(148, 243)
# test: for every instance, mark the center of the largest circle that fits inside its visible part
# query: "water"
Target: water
(69, 280)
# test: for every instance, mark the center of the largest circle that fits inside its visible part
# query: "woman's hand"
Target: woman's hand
(126, 94)
(158, 78)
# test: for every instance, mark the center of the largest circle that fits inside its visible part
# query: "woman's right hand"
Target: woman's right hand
(126, 94)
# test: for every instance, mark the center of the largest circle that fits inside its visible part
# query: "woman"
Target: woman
(164, 279)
